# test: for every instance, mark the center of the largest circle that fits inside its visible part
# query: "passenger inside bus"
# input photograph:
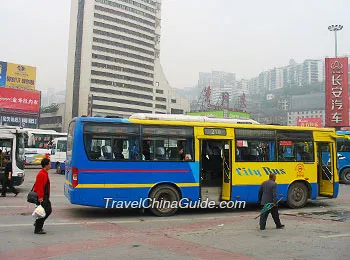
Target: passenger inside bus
(118, 150)
(146, 150)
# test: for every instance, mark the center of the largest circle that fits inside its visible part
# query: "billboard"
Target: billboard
(17, 76)
(221, 114)
(17, 100)
(310, 122)
(337, 101)
(13, 120)
(3, 69)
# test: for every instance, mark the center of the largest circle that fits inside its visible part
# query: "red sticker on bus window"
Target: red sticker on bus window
(285, 143)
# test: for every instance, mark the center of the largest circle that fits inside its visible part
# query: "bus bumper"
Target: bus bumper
(71, 194)
(16, 180)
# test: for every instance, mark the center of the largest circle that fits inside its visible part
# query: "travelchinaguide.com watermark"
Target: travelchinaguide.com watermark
(183, 203)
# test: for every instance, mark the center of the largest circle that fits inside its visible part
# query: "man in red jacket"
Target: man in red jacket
(42, 188)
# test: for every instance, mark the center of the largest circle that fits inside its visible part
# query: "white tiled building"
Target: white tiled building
(113, 54)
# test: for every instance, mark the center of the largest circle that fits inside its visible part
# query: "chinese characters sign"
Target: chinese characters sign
(309, 122)
(337, 101)
(17, 76)
(20, 100)
(17, 120)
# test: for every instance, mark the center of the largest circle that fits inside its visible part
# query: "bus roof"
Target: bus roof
(188, 122)
(190, 118)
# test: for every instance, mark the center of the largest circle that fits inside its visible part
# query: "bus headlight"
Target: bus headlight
(20, 174)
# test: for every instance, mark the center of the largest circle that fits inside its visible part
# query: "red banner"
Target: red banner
(286, 143)
(337, 101)
(310, 122)
(19, 100)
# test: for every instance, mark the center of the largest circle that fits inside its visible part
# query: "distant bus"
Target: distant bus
(223, 160)
(343, 155)
(38, 144)
(58, 154)
(12, 145)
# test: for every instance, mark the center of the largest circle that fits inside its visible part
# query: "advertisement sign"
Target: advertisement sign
(221, 114)
(20, 76)
(3, 69)
(18, 121)
(337, 101)
(310, 122)
(20, 100)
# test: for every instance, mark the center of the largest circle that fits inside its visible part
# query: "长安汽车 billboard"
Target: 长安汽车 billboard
(337, 100)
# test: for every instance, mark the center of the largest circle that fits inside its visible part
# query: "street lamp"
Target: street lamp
(335, 28)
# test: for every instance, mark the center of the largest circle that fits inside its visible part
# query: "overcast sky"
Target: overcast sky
(244, 37)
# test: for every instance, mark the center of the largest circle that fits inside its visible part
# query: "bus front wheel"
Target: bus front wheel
(164, 200)
(297, 195)
(345, 176)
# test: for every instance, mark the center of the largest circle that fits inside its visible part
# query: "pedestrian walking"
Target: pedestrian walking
(7, 179)
(42, 188)
(268, 194)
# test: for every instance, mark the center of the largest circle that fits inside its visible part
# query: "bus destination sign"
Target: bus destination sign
(215, 131)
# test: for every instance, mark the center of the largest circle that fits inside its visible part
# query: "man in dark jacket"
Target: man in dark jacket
(42, 188)
(268, 194)
(7, 182)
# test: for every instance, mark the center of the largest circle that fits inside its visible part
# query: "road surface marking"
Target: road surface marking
(340, 235)
(110, 222)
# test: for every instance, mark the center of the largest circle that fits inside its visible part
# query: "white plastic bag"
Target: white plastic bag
(39, 212)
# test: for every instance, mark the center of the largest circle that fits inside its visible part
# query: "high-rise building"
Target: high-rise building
(114, 48)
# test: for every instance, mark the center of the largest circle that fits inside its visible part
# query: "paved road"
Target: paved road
(319, 231)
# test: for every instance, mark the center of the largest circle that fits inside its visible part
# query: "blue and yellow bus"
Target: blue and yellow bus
(343, 155)
(175, 157)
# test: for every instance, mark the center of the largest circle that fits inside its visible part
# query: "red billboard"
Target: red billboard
(17, 100)
(309, 122)
(337, 101)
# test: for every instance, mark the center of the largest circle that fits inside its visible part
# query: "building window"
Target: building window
(126, 8)
(122, 45)
(173, 101)
(122, 53)
(160, 106)
(121, 85)
(121, 93)
(124, 38)
(161, 99)
(159, 91)
(122, 61)
(177, 111)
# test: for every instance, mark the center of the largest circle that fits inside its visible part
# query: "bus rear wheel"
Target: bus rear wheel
(345, 176)
(163, 198)
(297, 195)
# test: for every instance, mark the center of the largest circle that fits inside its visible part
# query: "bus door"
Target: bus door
(325, 169)
(215, 174)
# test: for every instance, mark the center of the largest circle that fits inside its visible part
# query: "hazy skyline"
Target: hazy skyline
(243, 37)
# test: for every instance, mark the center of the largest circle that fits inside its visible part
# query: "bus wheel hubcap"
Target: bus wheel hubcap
(298, 194)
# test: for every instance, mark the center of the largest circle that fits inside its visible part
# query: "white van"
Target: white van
(58, 154)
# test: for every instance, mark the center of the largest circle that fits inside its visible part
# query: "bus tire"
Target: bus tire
(297, 195)
(58, 168)
(161, 193)
(345, 176)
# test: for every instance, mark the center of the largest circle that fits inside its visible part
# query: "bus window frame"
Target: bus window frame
(168, 136)
(109, 136)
